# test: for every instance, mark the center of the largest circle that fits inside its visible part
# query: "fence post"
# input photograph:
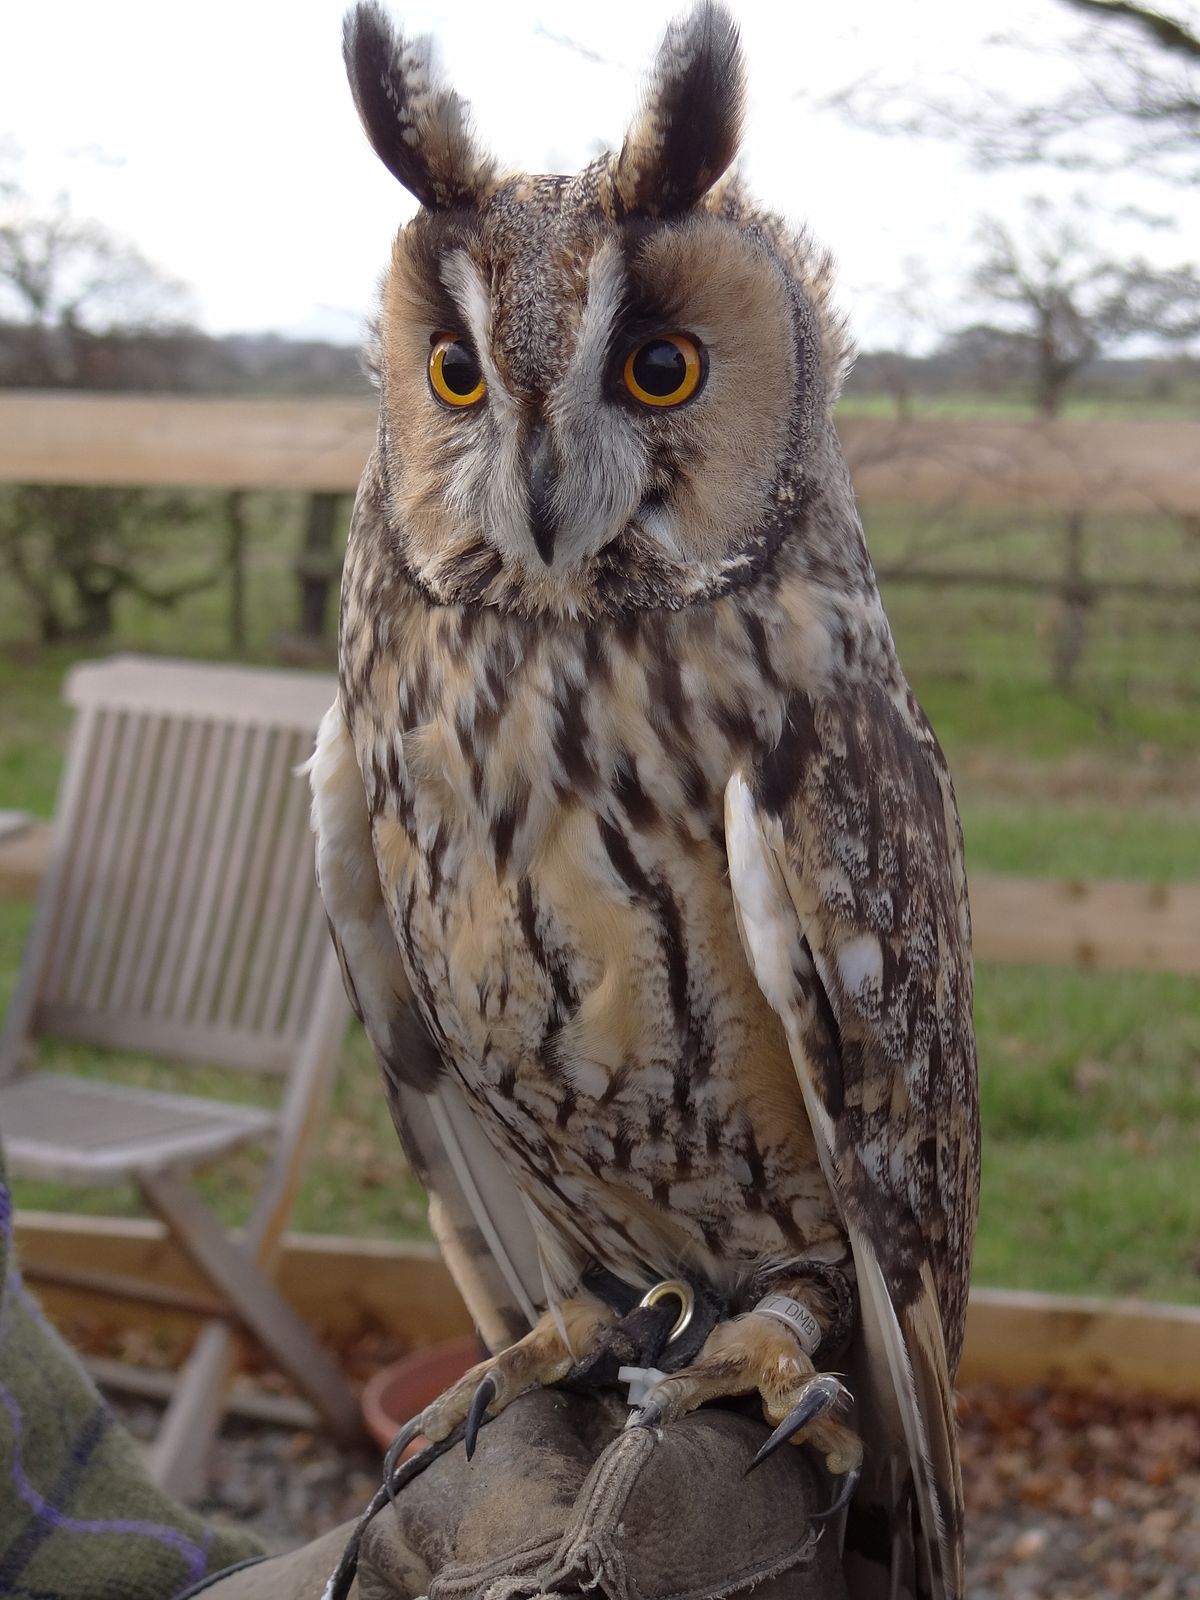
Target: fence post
(1075, 596)
(318, 564)
(235, 559)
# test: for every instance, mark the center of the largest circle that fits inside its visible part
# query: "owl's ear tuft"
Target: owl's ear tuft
(687, 131)
(418, 126)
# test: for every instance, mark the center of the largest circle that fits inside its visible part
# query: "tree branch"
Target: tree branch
(1171, 35)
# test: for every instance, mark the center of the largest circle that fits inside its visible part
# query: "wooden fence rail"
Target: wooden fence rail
(319, 446)
(48, 437)
(1108, 926)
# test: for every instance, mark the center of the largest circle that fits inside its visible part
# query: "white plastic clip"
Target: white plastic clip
(640, 1380)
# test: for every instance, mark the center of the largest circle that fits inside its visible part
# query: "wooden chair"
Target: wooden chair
(180, 916)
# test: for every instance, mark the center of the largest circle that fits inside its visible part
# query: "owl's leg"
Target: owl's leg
(542, 1357)
(758, 1353)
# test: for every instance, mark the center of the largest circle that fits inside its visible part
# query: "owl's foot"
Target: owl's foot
(542, 1357)
(755, 1354)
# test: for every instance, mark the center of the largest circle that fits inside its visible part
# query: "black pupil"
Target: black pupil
(460, 370)
(660, 367)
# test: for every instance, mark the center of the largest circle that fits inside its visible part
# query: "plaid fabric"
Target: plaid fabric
(80, 1518)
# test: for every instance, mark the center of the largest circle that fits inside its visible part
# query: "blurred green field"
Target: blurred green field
(1145, 401)
(1091, 1082)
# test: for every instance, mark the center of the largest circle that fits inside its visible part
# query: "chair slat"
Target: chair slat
(166, 1036)
(99, 874)
(197, 689)
(130, 823)
(250, 907)
(164, 997)
(80, 845)
(272, 931)
(151, 869)
(214, 865)
(233, 873)
(177, 791)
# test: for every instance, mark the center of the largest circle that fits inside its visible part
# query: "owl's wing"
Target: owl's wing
(846, 865)
(476, 1211)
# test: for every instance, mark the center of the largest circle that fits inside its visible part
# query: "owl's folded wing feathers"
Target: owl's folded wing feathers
(476, 1212)
(846, 868)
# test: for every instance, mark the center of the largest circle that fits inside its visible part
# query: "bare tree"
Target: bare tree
(70, 281)
(1135, 101)
(71, 551)
(1141, 76)
(1058, 300)
(908, 309)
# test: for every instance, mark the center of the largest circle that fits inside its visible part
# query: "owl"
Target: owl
(641, 858)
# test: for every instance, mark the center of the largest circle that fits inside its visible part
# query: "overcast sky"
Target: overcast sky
(221, 138)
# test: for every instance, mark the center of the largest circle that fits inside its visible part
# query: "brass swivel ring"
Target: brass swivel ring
(672, 1289)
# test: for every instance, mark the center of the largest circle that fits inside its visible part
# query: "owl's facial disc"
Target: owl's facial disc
(562, 391)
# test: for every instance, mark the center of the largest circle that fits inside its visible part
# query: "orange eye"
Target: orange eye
(454, 374)
(665, 371)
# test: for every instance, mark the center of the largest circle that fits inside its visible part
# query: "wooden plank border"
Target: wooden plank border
(339, 1285)
(1111, 925)
(345, 1285)
(1015, 1337)
(1107, 925)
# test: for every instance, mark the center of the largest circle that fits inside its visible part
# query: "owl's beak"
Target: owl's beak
(543, 485)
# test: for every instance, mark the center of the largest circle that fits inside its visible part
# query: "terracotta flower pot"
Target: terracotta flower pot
(397, 1392)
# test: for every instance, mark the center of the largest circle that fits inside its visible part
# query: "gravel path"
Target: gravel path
(1069, 1497)
(288, 1486)
(1080, 1497)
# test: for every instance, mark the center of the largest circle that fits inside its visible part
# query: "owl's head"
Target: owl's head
(600, 392)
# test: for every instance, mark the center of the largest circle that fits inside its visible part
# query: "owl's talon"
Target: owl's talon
(410, 1431)
(849, 1484)
(648, 1416)
(546, 1354)
(487, 1391)
(819, 1395)
(754, 1354)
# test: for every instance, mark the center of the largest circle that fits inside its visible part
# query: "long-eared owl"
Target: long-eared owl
(642, 859)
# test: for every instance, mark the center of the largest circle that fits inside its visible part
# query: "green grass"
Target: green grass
(1091, 1114)
(1091, 1083)
(1179, 405)
(1156, 844)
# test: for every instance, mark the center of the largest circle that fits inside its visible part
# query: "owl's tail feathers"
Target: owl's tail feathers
(904, 1530)
(883, 1556)
(912, 1501)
